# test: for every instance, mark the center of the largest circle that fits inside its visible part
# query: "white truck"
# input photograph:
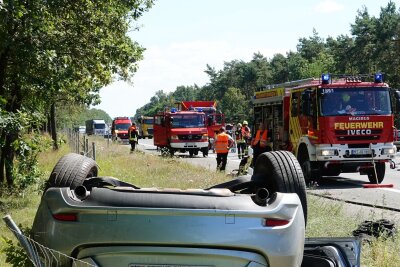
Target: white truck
(96, 127)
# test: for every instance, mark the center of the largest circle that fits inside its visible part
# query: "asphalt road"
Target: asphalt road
(348, 187)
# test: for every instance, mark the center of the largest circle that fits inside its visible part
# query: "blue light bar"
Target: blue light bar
(378, 78)
(173, 110)
(200, 109)
(325, 78)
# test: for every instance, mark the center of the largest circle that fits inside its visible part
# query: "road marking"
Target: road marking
(391, 189)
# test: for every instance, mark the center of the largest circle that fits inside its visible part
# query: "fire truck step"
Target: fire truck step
(377, 185)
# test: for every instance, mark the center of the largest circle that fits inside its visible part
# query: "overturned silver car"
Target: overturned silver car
(252, 221)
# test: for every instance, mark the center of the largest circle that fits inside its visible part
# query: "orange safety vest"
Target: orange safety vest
(262, 138)
(221, 144)
(134, 136)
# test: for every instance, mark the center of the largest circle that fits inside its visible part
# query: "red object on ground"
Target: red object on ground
(377, 185)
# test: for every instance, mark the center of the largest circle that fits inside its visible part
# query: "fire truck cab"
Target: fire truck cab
(119, 129)
(181, 131)
(215, 118)
(332, 125)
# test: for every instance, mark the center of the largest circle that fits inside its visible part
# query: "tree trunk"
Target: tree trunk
(9, 154)
(53, 126)
(2, 156)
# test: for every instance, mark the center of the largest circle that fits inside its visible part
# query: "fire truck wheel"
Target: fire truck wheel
(279, 171)
(71, 170)
(331, 171)
(191, 153)
(306, 168)
(164, 151)
(205, 152)
(380, 172)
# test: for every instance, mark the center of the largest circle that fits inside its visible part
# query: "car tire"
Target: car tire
(71, 170)
(279, 171)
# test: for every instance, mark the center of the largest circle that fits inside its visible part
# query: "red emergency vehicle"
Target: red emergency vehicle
(215, 118)
(335, 124)
(119, 129)
(183, 131)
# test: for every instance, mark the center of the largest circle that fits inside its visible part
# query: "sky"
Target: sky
(182, 36)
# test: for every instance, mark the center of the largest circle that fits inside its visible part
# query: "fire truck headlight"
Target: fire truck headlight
(388, 151)
(328, 152)
(174, 137)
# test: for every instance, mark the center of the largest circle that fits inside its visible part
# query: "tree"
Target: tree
(62, 52)
(233, 103)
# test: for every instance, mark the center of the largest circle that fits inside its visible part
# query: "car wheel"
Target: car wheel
(71, 170)
(380, 173)
(279, 171)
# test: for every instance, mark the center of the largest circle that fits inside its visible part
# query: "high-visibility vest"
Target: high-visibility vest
(221, 144)
(246, 132)
(132, 133)
(260, 137)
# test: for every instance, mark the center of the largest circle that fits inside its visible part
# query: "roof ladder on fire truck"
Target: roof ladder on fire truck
(289, 84)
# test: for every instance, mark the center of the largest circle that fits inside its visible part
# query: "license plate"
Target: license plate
(360, 151)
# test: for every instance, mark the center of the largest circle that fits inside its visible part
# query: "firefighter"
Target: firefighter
(246, 132)
(259, 143)
(222, 145)
(240, 142)
(344, 105)
(133, 134)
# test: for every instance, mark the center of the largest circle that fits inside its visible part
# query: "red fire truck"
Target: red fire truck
(215, 118)
(335, 124)
(183, 131)
(119, 129)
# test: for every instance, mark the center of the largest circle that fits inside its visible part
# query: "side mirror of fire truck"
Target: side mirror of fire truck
(210, 120)
(306, 103)
(397, 96)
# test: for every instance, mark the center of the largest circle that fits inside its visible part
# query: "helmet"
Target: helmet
(239, 125)
(133, 123)
(245, 123)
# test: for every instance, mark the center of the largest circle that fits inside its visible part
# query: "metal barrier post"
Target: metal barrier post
(94, 150)
(22, 240)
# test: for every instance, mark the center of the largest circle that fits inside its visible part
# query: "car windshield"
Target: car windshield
(188, 121)
(99, 126)
(354, 101)
(122, 126)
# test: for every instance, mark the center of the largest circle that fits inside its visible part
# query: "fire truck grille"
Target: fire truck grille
(358, 138)
(123, 135)
(189, 137)
(354, 135)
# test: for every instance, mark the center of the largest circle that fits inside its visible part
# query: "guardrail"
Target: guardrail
(39, 255)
